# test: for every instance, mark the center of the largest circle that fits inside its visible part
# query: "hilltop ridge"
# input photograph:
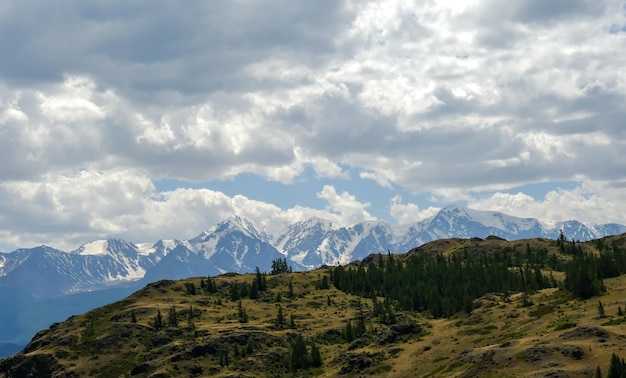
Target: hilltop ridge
(269, 325)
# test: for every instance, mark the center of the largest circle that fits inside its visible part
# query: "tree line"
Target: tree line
(440, 285)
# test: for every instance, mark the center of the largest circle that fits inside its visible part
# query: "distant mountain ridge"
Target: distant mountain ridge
(42, 285)
(236, 245)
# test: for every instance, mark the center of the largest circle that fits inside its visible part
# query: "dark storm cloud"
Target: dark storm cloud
(147, 47)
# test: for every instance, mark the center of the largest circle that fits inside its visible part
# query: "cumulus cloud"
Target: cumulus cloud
(345, 206)
(585, 202)
(446, 99)
(94, 204)
(409, 213)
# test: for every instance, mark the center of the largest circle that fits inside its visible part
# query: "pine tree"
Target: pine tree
(324, 284)
(316, 357)
(601, 312)
(190, 288)
(298, 354)
(172, 319)
(133, 317)
(290, 293)
(241, 313)
(280, 266)
(616, 367)
(280, 318)
(190, 322)
(598, 372)
(348, 333)
(360, 327)
(210, 286)
(619, 311)
(158, 320)
(254, 290)
(260, 280)
(235, 292)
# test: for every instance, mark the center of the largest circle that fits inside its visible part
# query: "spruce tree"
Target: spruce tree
(348, 333)
(616, 367)
(360, 327)
(190, 322)
(280, 318)
(172, 319)
(241, 313)
(290, 293)
(158, 320)
(298, 355)
(316, 357)
(601, 312)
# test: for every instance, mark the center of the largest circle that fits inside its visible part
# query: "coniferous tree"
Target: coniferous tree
(210, 286)
(348, 332)
(316, 357)
(172, 319)
(324, 283)
(190, 322)
(280, 318)
(290, 293)
(190, 288)
(616, 367)
(235, 291)
(280, 266)
(360, 326)
(254, 290)
(158, 320)
(601, 312)
(298, 355)
(133, 317)
(260, 280)
(241, 313)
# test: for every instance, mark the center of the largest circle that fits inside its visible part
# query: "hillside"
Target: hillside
(231, 325)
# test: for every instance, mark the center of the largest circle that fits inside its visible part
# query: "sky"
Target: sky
(157, 119)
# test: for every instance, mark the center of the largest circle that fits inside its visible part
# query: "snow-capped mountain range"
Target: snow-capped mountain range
(236, 245)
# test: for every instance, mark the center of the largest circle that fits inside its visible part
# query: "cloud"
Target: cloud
(450, 101)
(410, 212)
(585, 202)
(123, 203)
(345, 206)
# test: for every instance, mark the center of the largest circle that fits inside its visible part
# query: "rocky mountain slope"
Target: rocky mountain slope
(207, 327)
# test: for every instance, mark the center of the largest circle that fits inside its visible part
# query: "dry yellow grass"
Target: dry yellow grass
(556, 336)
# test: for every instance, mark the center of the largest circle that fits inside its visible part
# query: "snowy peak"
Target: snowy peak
(236, 245)
(231, 224)
(107, 247)
(95, 248)
(455, 219)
